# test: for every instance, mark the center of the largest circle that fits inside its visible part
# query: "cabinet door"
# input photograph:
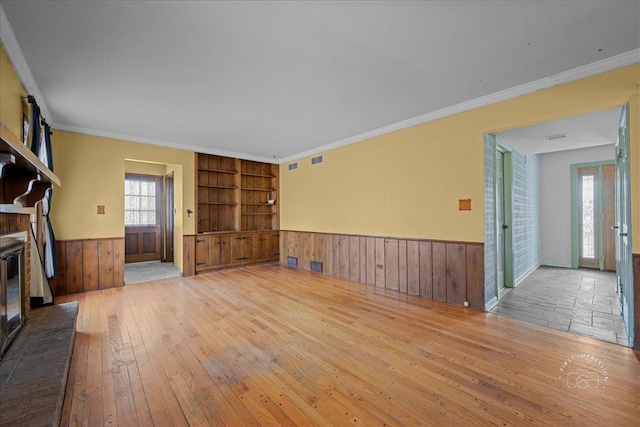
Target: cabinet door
(247, 248)
(236, 249)
(225, 250)
(273, 246)
(260, 246)
(202, 253)
(214, 251)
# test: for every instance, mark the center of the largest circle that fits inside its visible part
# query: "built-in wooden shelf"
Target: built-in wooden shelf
(218, 171)
(24, 179)
(222, 187)
(218, 203)
(259, 175)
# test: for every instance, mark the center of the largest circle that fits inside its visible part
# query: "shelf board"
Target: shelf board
(259, 213)
(223, 187)
(259, 175)
(218, 203)
(258, 204)
(258, 189)
(25, 157)
(218, 171)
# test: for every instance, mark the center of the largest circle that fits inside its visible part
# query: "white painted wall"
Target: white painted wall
(555, 200)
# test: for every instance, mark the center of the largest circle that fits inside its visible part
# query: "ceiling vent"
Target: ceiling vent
(556, 136)
(293, 166)
(316, 160)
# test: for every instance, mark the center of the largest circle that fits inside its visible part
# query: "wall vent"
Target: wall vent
(316, 266)
(293, 166)
(316, 160)
(292, 261)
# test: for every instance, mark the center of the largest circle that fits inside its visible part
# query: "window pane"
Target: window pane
(148, 218)
(131, 187)
(588, 217)
(140, 202)
(131, 203)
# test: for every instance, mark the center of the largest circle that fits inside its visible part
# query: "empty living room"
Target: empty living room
(319, 213)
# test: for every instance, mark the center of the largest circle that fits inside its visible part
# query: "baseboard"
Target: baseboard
(555, 264)
(492, 303)
(526, 274)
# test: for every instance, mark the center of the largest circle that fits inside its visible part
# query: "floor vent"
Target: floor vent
(316, 266)
(292, 261)
(293, 166)
(316, 160)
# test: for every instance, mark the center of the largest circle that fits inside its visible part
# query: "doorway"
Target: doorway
(593, 215)
(143, 218)
(557, 145)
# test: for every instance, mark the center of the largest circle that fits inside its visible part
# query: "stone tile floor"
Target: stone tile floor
(138, 272)
(579, 301)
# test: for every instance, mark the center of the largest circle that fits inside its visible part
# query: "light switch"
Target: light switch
(464, 204)
(100, 209)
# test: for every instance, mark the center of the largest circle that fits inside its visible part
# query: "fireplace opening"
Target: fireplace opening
(12, 300)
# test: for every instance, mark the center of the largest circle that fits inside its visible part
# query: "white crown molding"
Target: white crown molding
(157, 142)
(612, 63)
(11, 46)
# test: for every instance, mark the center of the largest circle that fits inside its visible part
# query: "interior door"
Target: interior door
(169, 213)
(624, 269)
(500, 219)
(143, 218)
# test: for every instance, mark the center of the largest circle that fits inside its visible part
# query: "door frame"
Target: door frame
(169, 212)
(575, 222)
(159, 212)
(507, 176)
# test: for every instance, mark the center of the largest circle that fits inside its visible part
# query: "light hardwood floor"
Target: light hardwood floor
(268, 345)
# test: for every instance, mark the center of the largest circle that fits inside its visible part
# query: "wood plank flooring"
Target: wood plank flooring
(269, 345)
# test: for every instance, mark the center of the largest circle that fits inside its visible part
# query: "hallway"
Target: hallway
(578, 301)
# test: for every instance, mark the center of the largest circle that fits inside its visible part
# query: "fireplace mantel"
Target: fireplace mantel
(24, 179)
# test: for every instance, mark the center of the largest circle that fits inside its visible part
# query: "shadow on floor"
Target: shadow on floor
(579, 301)
(146, 271)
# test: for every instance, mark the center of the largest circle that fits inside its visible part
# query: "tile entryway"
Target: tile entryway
(138, 272)
(579, 301)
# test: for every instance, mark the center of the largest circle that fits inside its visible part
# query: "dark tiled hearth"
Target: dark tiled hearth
(33, 373)
(579, 301)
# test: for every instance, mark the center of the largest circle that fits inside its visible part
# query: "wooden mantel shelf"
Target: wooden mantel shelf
(24, 179)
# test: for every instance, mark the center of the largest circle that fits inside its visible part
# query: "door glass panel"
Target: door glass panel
(139, 202)
(588, 217)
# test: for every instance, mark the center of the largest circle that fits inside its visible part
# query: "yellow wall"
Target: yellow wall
(408, 183)
(92, 172)
(11, 93)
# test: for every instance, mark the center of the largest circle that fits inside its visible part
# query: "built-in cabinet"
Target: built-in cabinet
(213, 251)
(237, 213)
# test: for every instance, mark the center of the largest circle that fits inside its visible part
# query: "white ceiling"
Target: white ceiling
(271, 80)
(587, 130)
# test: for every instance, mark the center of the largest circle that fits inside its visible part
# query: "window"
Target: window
(139, 201)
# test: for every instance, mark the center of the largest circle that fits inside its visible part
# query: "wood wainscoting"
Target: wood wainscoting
(88, 265)
(452, 272)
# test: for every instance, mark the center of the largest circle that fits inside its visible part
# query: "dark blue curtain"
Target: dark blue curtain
(50, 256)
(35, 135)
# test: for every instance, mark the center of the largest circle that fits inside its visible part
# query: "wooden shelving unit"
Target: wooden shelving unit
(236, 224)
